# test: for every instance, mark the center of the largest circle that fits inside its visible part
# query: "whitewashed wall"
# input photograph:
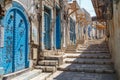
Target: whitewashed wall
(27, 4)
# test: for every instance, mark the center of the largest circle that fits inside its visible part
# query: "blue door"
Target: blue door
(72, 31)
(58, 32)
(8, 41)
(15, 52)
(47, 38)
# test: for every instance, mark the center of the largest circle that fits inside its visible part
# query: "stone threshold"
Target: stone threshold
(11, 75)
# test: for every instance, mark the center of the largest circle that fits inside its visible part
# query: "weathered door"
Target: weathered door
(15, 53)
(72, 30)
(47, 38)
(58, 31)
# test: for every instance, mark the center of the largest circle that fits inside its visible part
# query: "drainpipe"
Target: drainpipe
(39, 17)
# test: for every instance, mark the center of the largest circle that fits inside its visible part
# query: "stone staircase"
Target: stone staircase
(47, 65)
(90, 58)
(50, 63)
(91, 61)
(43, 70)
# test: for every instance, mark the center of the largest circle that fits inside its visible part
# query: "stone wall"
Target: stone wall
(114, 36)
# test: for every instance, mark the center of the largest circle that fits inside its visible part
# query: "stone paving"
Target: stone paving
(86, 68)
(88, 61)
(60, 75)
(91, 61)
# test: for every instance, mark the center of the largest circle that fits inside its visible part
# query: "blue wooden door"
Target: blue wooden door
(8, 41)
(58, 32)
(72, 31)
(21, 40)
(15, 40)
(47, 38)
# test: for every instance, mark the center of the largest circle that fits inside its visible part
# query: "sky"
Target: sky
(87, 4)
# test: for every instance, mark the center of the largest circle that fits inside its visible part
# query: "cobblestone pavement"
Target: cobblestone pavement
(91, 61)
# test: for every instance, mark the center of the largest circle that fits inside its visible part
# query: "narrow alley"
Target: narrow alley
(59, 40)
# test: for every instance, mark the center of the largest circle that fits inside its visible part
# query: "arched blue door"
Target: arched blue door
(47, 38)
(15, 52)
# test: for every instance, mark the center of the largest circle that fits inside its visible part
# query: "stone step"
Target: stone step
(46, 68)
(67, 75)
(58, 58)
(86, 52)
(28, 75)
(98, 51)
(15, 74)
(71, 48)
(70, 51)
(52, 57)
(91, 47)
(55, 76)
(42, 76)
(98, 45)
(98, 56)
(88, 61)
(92, 50)
(48, 63)
(87, 68)
(95, 45)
